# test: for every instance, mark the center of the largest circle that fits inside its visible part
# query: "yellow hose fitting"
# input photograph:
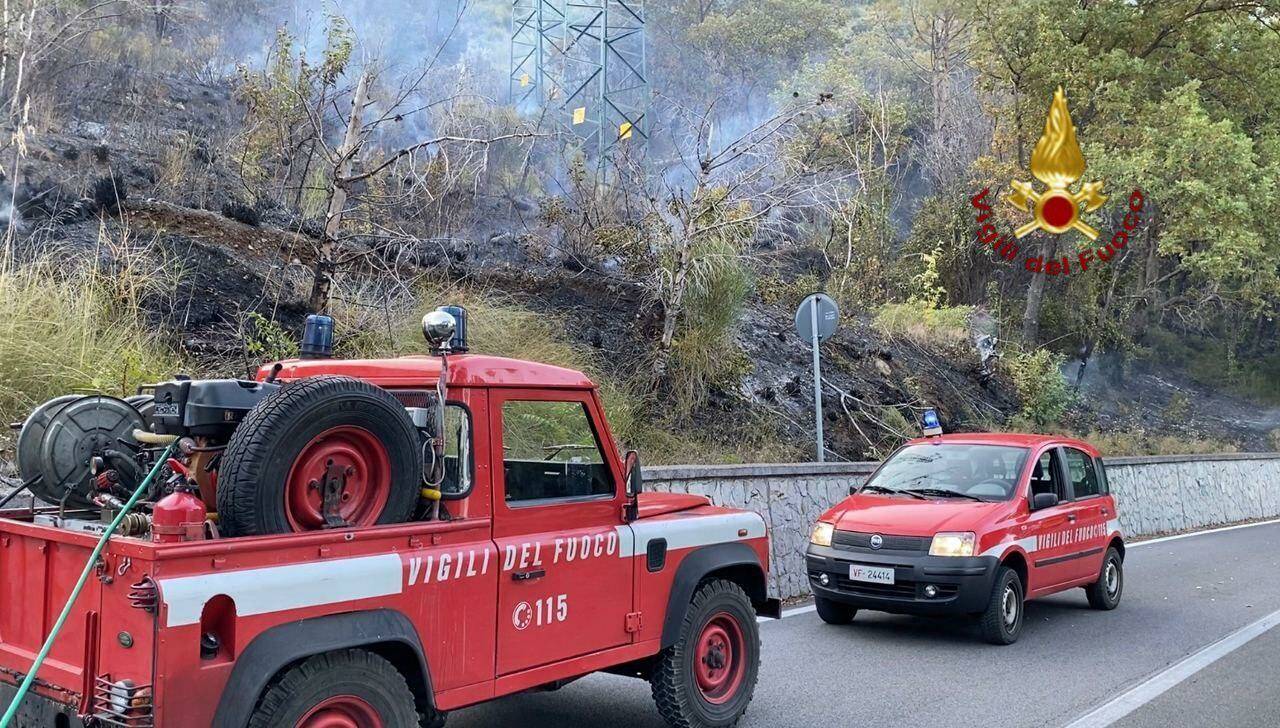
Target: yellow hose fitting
(432, 494)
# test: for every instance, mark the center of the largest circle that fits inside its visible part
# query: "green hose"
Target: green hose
(84, 576)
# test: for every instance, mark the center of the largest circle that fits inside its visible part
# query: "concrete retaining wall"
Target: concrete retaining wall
(1153, 494)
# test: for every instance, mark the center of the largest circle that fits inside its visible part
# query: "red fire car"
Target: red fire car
(971, 524)
(536, 561)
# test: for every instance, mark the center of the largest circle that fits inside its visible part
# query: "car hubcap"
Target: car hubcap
(1112, 579)
(719, 659)
(350, 456)
(1009, 607)
(341, 711)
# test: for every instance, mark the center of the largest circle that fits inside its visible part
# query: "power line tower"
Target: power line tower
(584, 62)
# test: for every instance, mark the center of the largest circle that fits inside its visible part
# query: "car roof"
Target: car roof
(1015, 439)
(475, 370)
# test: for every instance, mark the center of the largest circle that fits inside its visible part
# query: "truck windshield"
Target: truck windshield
(982, 472)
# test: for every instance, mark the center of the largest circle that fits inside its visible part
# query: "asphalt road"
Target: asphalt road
(1181, 596)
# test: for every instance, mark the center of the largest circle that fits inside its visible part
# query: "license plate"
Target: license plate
(873, 574)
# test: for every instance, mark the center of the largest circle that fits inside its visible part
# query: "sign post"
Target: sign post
(816, 320)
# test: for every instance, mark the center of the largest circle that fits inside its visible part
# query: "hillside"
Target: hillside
(196, 201)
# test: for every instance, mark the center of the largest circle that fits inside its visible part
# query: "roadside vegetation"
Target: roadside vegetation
(79, 329)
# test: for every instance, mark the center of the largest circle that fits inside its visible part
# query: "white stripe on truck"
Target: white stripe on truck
(279, 588)
(682, 532)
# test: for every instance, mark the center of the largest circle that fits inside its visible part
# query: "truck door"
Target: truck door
(1050, 560)
(564, 588)
(1091, 511)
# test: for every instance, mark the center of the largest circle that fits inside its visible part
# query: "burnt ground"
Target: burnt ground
(108, 169)
(1139, 397)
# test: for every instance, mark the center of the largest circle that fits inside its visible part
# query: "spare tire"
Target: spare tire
(274, 471)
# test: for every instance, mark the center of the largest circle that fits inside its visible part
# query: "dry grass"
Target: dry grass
(1140, 442)
(78, 329)
(926, 325)
(374, 323)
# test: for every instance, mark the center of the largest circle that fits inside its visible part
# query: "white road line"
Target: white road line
(1162, 539)
(1144, 693)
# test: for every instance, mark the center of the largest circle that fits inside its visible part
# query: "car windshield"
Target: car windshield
(982, 472)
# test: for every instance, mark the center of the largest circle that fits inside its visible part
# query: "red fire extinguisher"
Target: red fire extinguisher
(179, 516)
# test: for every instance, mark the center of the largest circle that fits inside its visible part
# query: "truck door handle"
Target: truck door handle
(1106, 512)
(1072, 518)
(528, 575)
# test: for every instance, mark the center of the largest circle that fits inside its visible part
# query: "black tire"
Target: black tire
(1106, 591)
(357, 675)
(284, 427)
(676, 691)
(1001, 623)
(834, 612)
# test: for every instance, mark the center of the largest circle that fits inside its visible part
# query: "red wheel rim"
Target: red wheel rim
(367, 467)
(341, 711)
(720, 659)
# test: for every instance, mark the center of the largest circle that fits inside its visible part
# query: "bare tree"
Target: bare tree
(724, 193)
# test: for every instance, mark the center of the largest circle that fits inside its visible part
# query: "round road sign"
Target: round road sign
(828, 317)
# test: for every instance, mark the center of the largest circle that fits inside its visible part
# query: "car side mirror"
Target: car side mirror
(1040, 501)
(631, 465)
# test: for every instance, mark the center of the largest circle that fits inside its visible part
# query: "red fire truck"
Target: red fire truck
(531, 560)
(971, 524)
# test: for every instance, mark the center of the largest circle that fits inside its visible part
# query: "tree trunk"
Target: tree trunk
(322, 280)
(1035, 296)
(671, 310)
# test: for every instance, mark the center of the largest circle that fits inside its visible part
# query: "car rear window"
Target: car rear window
(989, 472)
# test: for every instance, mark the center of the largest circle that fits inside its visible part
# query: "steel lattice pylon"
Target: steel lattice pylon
(583, 61)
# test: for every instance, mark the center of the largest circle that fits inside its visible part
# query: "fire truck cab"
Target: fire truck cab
(546, 564)
(971, 524)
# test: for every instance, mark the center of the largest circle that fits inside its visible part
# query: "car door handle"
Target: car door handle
(528, 575)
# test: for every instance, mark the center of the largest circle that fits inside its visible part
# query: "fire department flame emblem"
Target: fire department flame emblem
(1057, 162)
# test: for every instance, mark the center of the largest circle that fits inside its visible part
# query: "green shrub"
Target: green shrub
(266, 340)
(1041, 386)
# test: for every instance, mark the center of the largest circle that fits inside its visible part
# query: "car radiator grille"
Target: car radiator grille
(859, 541)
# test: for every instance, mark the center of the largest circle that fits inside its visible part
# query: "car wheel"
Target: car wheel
(1001, 623)
(1105, 592)
(708, 677)
(353, 688)
(833, 612)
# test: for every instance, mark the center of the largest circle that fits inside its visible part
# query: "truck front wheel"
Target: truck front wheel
(707, 678)
(346, 689)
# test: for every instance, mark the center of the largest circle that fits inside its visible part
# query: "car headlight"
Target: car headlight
(953, 544)
(822, 534)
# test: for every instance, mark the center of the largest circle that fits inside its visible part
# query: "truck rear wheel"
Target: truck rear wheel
(320, 452)
(347, 689)
(707, 678)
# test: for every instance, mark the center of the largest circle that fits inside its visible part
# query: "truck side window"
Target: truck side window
(1044, 476)
(551, 451)
(1084, 480)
